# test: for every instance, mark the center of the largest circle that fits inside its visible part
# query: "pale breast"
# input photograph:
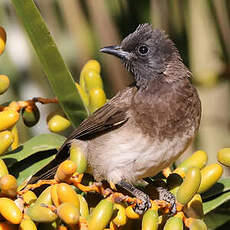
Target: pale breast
(129, 154)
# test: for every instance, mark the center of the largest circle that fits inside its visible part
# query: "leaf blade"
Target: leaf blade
(210, 205)
(52, 62)
(36, 144)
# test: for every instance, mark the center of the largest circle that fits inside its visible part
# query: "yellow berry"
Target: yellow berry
(45, 197)
(90, 65)
(8, 185)
(131, 214)
(58, 123)
(8, 119)
(101, 215)
(27, 224)
(209, 176)
(54, 195)
(65, 170)
(174, 223)
(93, 64)
(37, 212)
(224, 156)
(150, 220)
(97, 99)
(29, 197)
(190, 186)
(16, 138)
(120, 219)
(84, 209)
(67, 194)
(10, 211)
(3, 168)
(40, 214)
(92, 80)
(6, 139)
(197, 159)
(4, 81)
(69, 213)
(2, 39)
(78, 157)
(83, 95)
(198, 225)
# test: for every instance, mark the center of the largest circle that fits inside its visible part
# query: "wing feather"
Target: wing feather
(113, 114)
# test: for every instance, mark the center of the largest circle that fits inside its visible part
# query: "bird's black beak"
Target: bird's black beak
(116, 51)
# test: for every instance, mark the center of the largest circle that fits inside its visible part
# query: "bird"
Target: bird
(146, 126)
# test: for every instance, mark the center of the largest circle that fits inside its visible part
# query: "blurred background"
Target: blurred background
(200, 30)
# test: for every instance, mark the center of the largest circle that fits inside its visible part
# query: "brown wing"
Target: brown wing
(113, 114)
(103, 119)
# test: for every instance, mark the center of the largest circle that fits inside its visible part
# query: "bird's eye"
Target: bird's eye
(143, 50)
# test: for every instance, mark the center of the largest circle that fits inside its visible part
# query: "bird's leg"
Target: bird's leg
(165, 195)
(118, 197)
(145, 204)
(164, 198)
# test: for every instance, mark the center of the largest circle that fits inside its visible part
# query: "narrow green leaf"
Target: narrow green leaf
(221, 186)
(210, 205)
(29, 166)
(53, 65)
(215, 220)
(36, 144)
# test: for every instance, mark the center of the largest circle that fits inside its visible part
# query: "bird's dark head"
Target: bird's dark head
(145, 52)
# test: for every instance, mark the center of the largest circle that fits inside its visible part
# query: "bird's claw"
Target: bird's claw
(144, 199)
(167, 196)
(144, 205)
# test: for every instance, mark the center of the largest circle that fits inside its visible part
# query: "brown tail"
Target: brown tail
(48, 171)
(45, 173)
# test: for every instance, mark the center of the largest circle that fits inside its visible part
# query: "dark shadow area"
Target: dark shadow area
(226, 226)
(213, 191)
(18, 149)
(10, 161)
(219, 218)
(20, 166)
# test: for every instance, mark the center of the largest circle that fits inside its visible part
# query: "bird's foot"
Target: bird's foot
(165, 195)
(143, 201)
(144, 205)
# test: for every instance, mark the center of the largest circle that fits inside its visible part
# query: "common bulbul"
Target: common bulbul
(145, 127)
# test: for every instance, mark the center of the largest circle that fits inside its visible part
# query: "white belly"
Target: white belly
(132, 156)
